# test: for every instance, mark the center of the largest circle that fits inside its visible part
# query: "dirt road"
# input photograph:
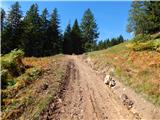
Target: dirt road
(86, 97)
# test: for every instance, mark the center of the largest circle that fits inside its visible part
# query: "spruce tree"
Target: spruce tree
(3, 33)
(67, 41)
(136, 18)
(54, 33)
(13, 30)
(44, 36)
(120, 39)
(76, 38)
(2, 19)
(144, 17)
(89, 30)
(108, 43)
(152, 11)
(32, 43)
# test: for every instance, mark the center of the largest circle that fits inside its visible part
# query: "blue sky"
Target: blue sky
(111, 16)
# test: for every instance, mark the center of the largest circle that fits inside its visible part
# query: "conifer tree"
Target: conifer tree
(89, 30)
(67, 43)
(152, 11)
(32, 43)
(144, 17)
(13, 30)
(76, 38)
(2, 18)
(54, 33)
(44, 36)
(120, 39)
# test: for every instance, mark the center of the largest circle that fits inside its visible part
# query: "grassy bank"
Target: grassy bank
(137, 69)
(26, 93)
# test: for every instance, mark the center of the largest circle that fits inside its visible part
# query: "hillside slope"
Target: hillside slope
(137, 69)
(31, 91)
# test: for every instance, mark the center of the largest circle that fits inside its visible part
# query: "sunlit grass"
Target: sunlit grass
(139, 70)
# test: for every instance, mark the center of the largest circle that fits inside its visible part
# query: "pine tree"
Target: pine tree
(32, 43)
(67, 43)
(152, 11)
(120, 39)
(144, 17)
(3, 33)
(76, 38)
(89, 30)
(13, 30)
(44, 36)
(100, 45)
(108, 43)
(54, 33)
(2, 19)
(136, 18)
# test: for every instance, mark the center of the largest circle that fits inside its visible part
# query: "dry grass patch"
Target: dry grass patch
(29, 100)
(139, 70)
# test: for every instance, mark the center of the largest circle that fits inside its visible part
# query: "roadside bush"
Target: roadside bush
(4, 76)
(11, 66)
(145, 42)
(20, 82)
(149, 45)
(142, 38)
(13, 62)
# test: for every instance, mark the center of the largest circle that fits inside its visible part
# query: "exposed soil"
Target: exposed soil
(82, 95)
(86, 97)
(141, 107)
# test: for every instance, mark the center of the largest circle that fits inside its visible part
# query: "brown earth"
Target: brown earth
(86, 97)
(82, 95)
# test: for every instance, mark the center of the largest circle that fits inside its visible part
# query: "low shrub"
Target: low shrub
(13, 62)
(12, 66)
(142, 38)
(149, 45)
(21, 82)
(4, 76)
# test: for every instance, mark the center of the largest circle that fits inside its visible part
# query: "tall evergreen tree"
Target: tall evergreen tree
(54, 33)
(2, 19)
(120, 39)
(12, 33)
(108, 43)
(152, 11)
(144, 17)
(44, 36)
(89, 30)
(76, 38)
(32, 43)
(136, 18)
(101, 45)
(67, 41)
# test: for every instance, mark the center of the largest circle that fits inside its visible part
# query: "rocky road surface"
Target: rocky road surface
(86, 97)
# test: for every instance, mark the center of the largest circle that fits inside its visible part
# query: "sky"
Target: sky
(111, 16)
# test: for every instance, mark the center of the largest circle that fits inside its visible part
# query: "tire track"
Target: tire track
(87, 98)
